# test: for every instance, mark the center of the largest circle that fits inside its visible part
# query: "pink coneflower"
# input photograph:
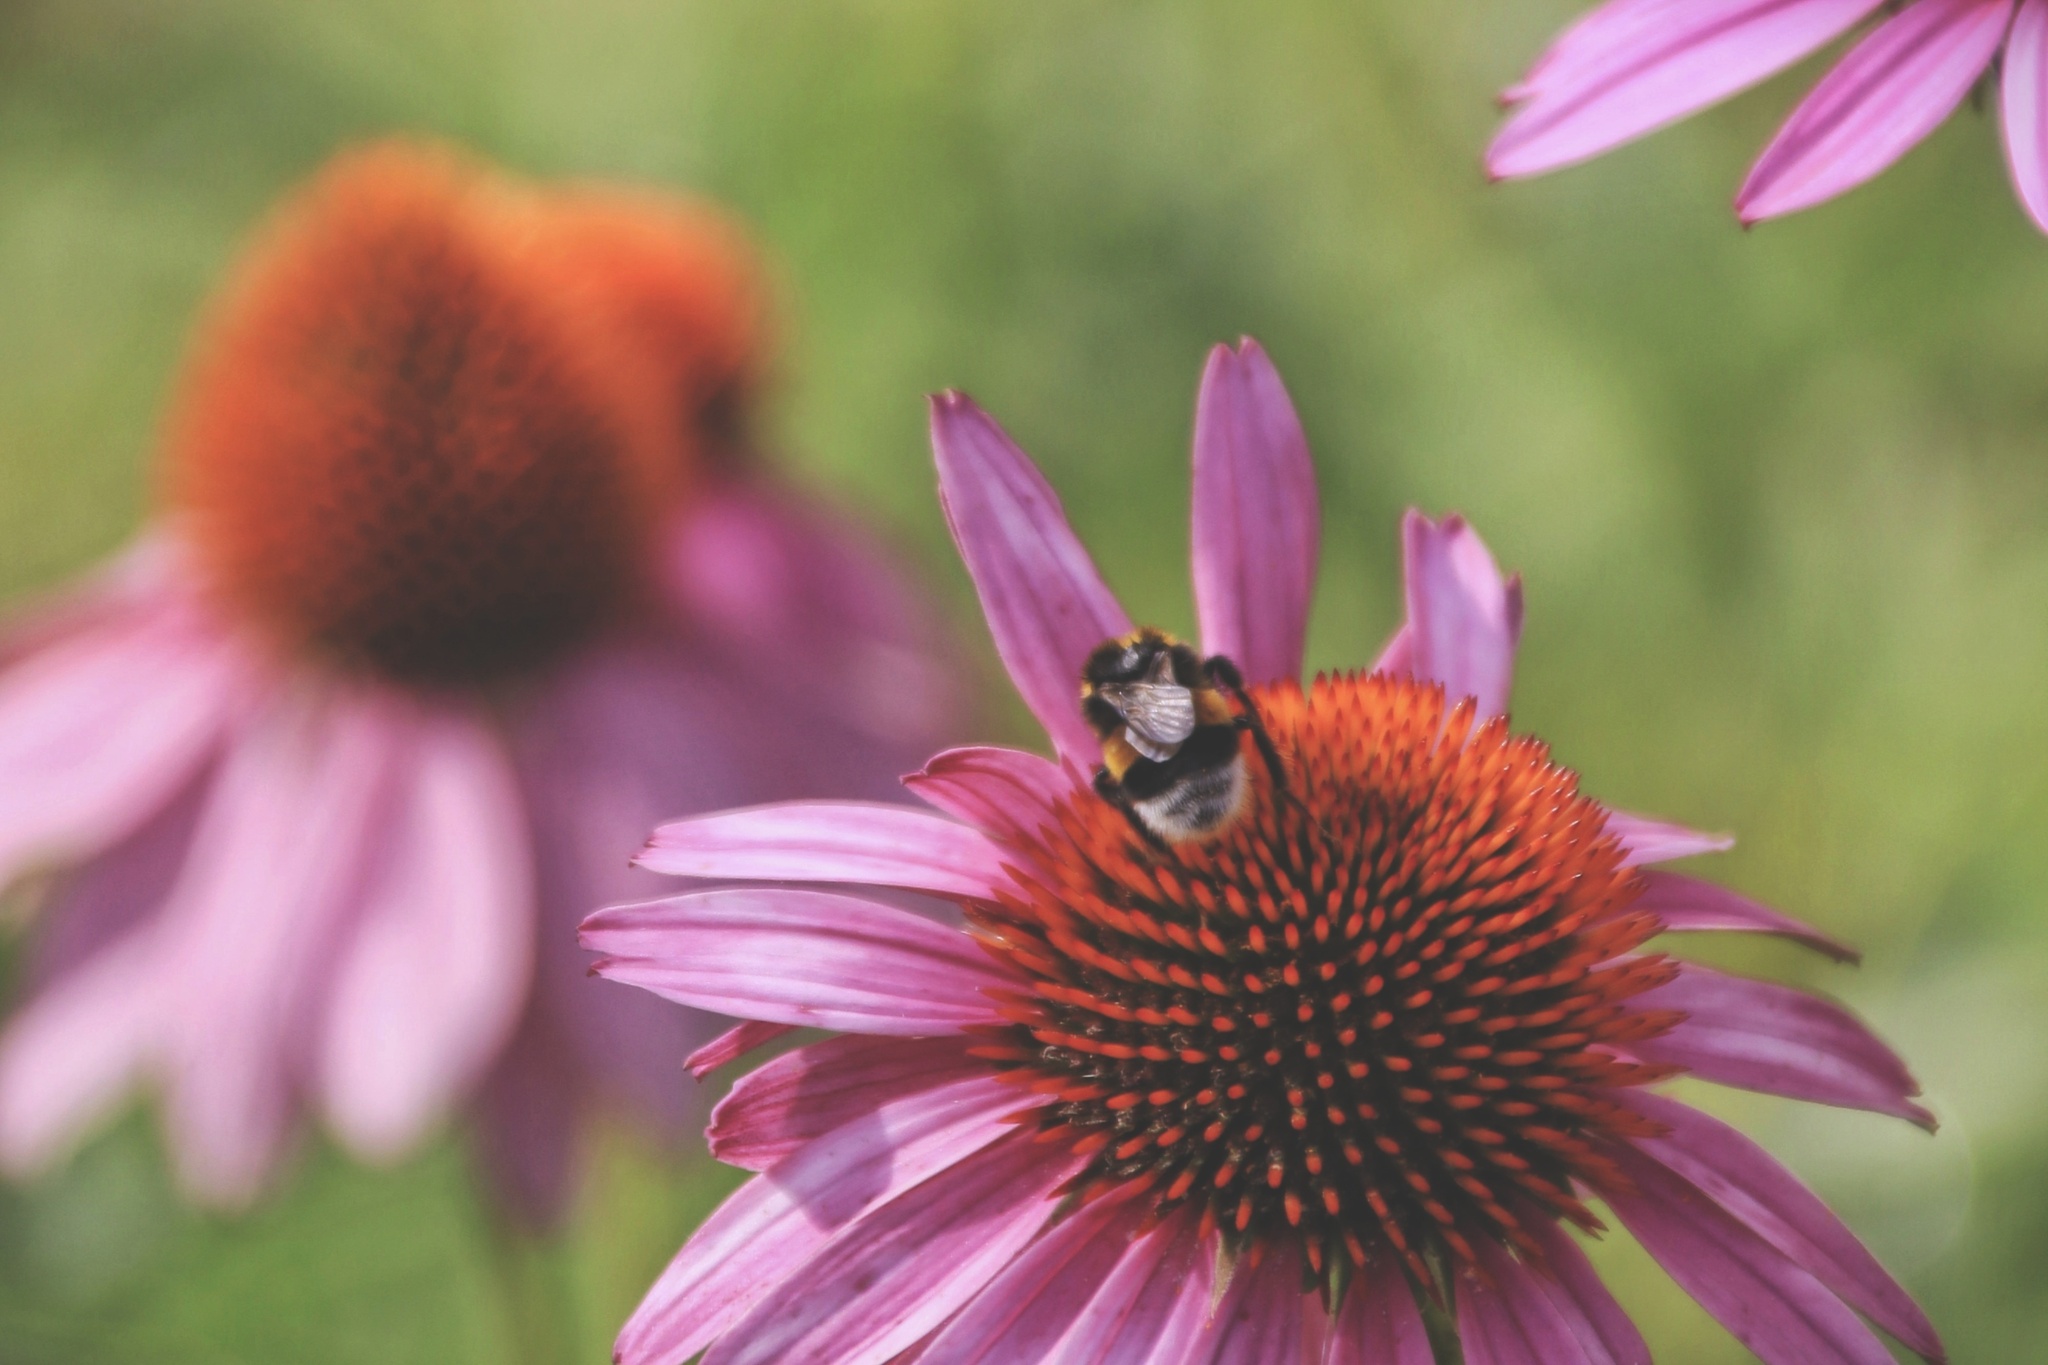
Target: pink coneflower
(1632, 66)
(1257, 1100)
(462, 579)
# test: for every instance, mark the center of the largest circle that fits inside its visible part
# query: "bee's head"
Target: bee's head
(1143, 685)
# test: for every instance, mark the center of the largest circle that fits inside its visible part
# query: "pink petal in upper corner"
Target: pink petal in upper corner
(1576, 1290)
(1644, 840)
(1379, 1323)
(1464, 619)
(733, 1044)
(1765, 1300)
(900, 1270)
(1689, 905)
(767, 1232)
(2023, 107)
(1505, 1317)
(804, 1094)
(431, 983)
(997, 791)
(1255, 516)
(1761, 1036)
(860, 842)
(1046, 605)
(1633, 66)
(1749, 1183)
(799, 957)
(1891, 90)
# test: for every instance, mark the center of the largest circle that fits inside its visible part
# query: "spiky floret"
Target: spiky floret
(1379, 1017)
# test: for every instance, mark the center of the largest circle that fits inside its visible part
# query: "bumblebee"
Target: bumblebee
(1171, 757)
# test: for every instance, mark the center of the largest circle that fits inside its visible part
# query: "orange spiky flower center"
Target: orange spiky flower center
(1374, 1018)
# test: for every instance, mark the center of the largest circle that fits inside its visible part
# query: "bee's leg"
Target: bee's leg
(1110, 790)
(1225, 675)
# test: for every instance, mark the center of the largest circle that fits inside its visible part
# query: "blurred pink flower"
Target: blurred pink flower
(1244, 1100)
(464, 579)
(1632, 66)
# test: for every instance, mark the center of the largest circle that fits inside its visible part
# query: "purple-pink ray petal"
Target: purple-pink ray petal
(804, 1094)
(1771, 1305)
(1397, 656)
(1255, 530)
(1633, 66)
(432, 980)
(1046, 605)
(1464, 618)
(733, 1044)
(767, 1232)
(997, 791)
(1132, 1308)
(1689, 905)
(1645, 840)
(861, 842)
(1575, 1287)
(1260, 1319)
(1891, 90)
(1379, 1323)
(1506, 1317)
(2023, 107)
(1024, 1311)
(1749, 1183)
(900, 1270)
(799, 957)
(1758, 1035)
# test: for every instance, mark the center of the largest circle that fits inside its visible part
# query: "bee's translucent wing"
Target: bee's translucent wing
(1158, 717)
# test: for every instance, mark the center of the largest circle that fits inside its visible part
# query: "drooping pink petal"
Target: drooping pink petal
(1464, 618)
(1633, 66)
(1132, 1307)
(1761, 1036)
(799, 957)
(903, 1268)
(1765, 1300)
(1046, 605)
(997, 791)
(804, 1094)
(100, 729)
(1575, 1288)
(1023, 1311)
(1255, 516)
(1379, 1324)
(1891, 90)
(431, 983)
(1260, 1320)
(1505, 1317)
(733, 1044)
(767, 1232)
(860, 842)
(1689, 905)
(2023, 107)
(1644, 840)
(1749, 1183)
(528, 1116)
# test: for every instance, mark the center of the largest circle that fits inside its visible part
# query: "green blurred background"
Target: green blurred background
(1780, 499)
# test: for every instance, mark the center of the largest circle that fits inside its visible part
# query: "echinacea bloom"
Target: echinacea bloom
(1249, 1101)
(462, 579)
(1632, 66)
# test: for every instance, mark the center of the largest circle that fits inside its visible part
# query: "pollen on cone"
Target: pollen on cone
(397, 444)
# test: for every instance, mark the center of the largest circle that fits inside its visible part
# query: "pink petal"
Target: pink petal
(903, 1268)
(1688, 905)
(431, 984)
(1260, 1320)
(1046, 605)
(799, 957)
(768, 1230)
(1505, 1317)
(1397, 656)
(1189, 1328)
(997, 791)
(1749, 1183)
(1633, 66)
(1133, 1307)
(528, 1113)
(1781, 1041)
(1255, 516)
(733, 1044)
(1379, 1324)
(100, 729)
(1894, 88)
(804, 1094)
(860, 842)
(1464, 619)
(1575, 1289)
(1765, 1300)
(1644, 840)
(2023, 107)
